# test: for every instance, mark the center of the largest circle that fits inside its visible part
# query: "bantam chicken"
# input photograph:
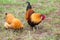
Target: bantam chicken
(12, 22)
(32, 17)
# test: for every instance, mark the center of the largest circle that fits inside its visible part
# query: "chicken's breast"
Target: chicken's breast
(36, 18)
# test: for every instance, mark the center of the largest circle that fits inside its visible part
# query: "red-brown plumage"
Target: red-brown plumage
(32, 17)
(28, 14)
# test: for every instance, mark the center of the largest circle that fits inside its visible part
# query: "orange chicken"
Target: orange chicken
(12, 22)
(32, 17)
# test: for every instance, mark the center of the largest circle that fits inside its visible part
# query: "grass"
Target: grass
(17, 8)
(9, 2)
(44, 10)
(47, 10)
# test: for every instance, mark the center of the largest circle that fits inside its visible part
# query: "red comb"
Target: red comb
(43, 17)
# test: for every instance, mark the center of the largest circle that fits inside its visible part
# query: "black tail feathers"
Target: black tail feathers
(28, 6)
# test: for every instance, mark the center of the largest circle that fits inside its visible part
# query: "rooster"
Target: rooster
(32, 17)
(12, 22)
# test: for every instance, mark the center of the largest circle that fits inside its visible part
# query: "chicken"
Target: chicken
(12, 22)
(32, 17)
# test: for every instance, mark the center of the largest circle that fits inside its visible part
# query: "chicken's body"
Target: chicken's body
(16, 24)
(12, 22)
(32, 17)
(36, 18)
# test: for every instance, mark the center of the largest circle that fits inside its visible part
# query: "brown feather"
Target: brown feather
(28, 14)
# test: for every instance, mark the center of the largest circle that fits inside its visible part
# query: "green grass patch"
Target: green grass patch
(16, 2)
(10, 2)
(33, 1)
(2, 9)
(47, 10)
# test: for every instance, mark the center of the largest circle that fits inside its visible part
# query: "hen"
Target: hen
(12, 22)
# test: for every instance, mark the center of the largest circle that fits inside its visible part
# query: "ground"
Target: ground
(49, 29)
